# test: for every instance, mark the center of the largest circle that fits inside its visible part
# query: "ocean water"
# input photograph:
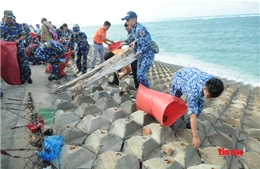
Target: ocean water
(225, 46)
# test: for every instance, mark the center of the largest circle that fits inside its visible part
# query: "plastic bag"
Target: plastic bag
(9, 64)
(52, 147)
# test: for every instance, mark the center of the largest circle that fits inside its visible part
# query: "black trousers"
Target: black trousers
(134, 71)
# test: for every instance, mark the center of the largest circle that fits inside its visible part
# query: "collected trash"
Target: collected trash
(51, 148)
(47, 114)
(35, 127)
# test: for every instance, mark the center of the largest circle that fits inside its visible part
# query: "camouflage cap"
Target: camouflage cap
(9, 14)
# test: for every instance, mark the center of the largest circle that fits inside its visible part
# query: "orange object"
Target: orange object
(61, 66)
(10, 72)
(33, 35)
(114, 46)
(165, 108)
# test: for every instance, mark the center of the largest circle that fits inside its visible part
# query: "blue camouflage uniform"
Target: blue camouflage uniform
(28, 39)
(190, 81)
(82, 49)
(10, 33)
(145, 59)
(59, 33)
(67, 33)
(52, 52)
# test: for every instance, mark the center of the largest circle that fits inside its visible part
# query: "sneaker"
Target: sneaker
(30, 80)
(34, 62)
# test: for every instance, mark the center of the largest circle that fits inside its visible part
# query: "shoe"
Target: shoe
(52, 78)
(30, 80)
(23, 81)
(113, 83)
(34, 62)
(39, 63)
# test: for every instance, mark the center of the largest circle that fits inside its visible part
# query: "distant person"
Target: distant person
(196, 85)
(14, 32)
(97, 47)
(66, 31)
(141, 45)
(60, 33)
(38, 31)
(80, 38)
(45, 34)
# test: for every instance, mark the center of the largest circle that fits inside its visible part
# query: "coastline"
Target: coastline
(106, 131)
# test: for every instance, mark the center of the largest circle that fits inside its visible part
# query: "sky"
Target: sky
(95, 12)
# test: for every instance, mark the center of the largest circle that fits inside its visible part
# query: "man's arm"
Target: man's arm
(20, 39)
(195, 135)
(106, 40)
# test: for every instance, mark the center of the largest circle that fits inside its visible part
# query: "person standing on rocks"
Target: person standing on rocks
(196, 85)
(80, 38)
(97, 47)
(141, 45)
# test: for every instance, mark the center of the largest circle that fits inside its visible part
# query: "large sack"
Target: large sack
(114, 46)
(61, 66)
(10, 72)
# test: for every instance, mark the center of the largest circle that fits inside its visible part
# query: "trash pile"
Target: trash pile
(47, 146)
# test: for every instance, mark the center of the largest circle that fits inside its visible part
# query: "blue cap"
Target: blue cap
(76, 28)
(9, 14)
(130, 14)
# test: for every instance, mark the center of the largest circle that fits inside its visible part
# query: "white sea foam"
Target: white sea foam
(217, 70)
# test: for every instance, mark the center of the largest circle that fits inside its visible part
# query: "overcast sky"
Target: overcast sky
(95, 12)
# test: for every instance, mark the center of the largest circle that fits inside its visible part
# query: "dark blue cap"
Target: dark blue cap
(130, 14)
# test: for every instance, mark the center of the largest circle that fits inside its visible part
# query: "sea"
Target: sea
(225, 46)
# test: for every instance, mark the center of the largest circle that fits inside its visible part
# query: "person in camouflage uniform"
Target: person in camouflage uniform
(80, 38)
(52, 52)
(141, 44)
(13, 32)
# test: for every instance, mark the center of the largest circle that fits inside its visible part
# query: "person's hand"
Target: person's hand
(196, 142)
(132, 45)
(17, 41)
(112, 42)
(137, 54)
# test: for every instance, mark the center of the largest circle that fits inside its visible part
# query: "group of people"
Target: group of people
(189, 81)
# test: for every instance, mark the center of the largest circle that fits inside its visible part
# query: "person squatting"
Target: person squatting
(52, 52)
